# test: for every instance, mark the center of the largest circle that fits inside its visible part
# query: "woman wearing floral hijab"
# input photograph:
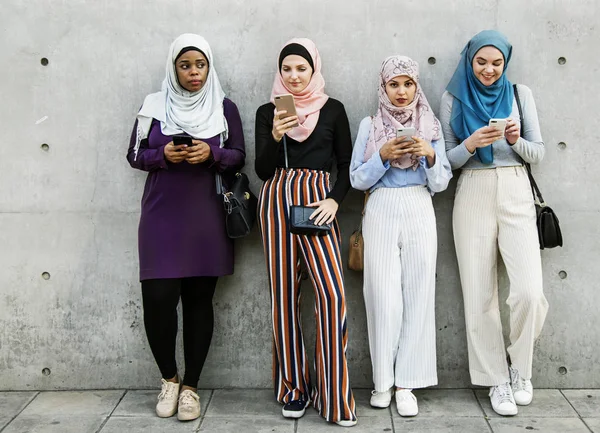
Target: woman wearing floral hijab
(183, 245)
(399, 231)
(302, 177)
(494, 210)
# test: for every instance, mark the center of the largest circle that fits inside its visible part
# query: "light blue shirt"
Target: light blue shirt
(374, 173)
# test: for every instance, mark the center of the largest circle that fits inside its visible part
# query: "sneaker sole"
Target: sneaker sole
(505, 413)
(166, 414)
(293, 413)
(407, 415)
(346, 423)
(381, 406)
(187, 416)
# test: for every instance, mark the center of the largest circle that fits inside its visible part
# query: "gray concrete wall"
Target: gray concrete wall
(72, 210)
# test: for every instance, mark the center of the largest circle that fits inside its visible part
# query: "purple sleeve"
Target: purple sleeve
(146, 159)
(232, 156)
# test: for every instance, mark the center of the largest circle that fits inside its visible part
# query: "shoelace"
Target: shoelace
(518, 382)
(188, 398)
(167, 391)
(503, 393)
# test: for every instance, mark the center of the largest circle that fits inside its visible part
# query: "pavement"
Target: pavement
(254, 410)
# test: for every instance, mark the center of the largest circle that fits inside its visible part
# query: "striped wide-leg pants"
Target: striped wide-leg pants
(331, 395)
(494, 210)
(399, 286)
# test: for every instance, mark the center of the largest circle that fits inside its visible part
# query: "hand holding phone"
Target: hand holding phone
(285, 117)
(485, 136)
(176, 150)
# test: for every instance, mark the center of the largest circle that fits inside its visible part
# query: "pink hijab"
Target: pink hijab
(389, 117)
(310, 100)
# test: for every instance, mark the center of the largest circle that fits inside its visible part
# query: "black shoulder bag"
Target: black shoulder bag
(300, 223)
(549, 233)
(240, 204)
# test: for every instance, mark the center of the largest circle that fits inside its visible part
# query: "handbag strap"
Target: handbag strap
(218, 178)
(535, 190)
(285, 155)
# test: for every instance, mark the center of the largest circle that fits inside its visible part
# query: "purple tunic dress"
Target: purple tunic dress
(182, 225)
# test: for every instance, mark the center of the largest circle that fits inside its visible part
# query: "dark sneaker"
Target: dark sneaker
(294, 409)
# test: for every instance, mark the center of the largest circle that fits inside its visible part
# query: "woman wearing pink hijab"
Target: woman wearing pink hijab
(399, 232)
(301, 177)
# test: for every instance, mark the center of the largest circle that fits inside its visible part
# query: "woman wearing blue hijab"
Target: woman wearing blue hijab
(494, 211)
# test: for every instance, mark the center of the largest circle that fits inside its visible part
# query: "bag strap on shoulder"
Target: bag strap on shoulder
(534, 188)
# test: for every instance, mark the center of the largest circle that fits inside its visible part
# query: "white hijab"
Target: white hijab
(199, 114)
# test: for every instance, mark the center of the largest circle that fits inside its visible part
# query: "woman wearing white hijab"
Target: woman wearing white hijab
(183, 245)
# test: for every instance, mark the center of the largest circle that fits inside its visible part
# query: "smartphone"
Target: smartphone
(406, 132)
(182, 139)
(286, 102)
(499, 124)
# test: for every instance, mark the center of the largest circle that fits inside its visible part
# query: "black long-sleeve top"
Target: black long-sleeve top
(330, 140)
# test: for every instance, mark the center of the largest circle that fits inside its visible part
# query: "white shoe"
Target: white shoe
(189, 405)
(381, 399)
(522, 389)
(167, 399)
(502, 400)
(406, 403)
(346, 422)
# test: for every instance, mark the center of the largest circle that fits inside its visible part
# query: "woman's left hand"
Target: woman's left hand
(420, 148)
(325, 212)
(512, 131)
(198, 152)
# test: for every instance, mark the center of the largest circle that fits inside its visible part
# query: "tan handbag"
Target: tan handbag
(356, 248)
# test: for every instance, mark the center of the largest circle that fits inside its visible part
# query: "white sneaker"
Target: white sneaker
(381, 399)
(406, 403)
(502, 400)
(189, 406)
(167, 399)
(522, 389)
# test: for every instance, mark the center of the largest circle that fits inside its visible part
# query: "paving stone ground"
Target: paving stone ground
(255, 411)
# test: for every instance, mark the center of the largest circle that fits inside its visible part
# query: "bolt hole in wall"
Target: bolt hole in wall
(46, 275)
(431, 60)
(46, 371)
(563, 370)
(44, 61)
(562, 60)
(45, 147)
(562, 145)
(562, 275)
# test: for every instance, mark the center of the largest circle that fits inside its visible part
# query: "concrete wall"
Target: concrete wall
(72, 210)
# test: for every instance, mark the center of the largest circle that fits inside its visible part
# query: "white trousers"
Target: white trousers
(399, 286)
(494, 209)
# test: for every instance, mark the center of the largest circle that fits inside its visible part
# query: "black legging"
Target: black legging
(160, 298)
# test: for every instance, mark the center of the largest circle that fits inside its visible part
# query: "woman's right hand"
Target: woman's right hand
(482, 137)
(282, 126)
(395, 148)
(175, 154)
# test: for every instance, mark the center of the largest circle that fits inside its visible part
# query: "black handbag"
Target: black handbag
(240, 205)
(300, 223)
(549, 233)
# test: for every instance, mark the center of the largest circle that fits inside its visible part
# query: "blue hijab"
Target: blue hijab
(475, 104)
